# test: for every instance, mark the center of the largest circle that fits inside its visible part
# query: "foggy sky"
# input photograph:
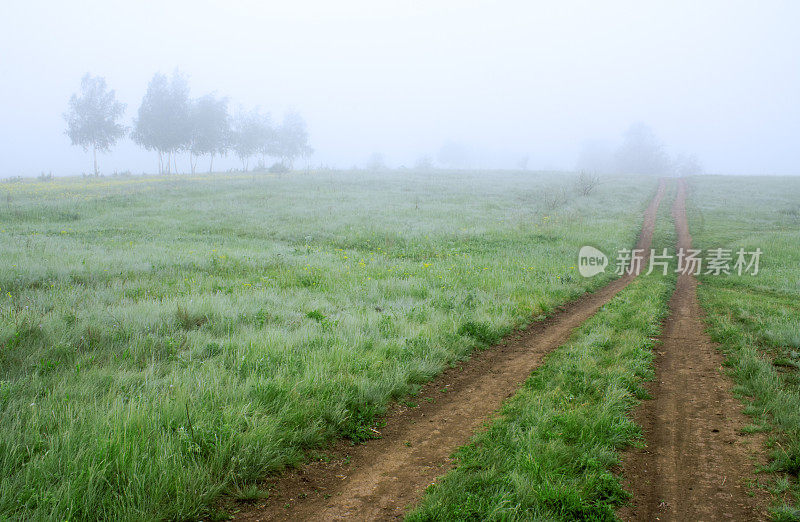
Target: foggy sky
(507, 79)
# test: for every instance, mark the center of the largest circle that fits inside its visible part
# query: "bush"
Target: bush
(586, 183)
(278, 168)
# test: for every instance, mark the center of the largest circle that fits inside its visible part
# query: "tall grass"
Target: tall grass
(165, 339)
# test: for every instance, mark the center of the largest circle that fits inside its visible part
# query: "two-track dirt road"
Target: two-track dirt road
(380, 479)
(696, 463)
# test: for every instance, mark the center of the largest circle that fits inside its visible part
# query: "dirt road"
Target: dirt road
(696, 465)
(380, 479)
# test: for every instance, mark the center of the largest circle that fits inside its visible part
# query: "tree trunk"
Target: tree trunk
(175, 161)
(211, 165)
(94, 154)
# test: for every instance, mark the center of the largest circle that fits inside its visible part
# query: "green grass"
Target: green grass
(164, 340)
(756, 319)
(550, 454)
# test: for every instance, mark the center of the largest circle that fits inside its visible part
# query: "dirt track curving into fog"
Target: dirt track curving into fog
(380, 479)
(696, 464)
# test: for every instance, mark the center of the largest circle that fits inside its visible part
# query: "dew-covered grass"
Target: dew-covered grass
(167, 339)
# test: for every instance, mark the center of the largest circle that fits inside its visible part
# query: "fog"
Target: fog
(533, 84)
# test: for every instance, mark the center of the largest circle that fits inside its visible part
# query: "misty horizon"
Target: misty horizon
(504, 82)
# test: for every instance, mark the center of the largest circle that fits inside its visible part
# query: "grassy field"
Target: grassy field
(163, 340)
(756, 319)
(550, 454)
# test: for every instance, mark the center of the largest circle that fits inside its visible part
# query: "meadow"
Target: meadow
(164, 340)
(756, 318)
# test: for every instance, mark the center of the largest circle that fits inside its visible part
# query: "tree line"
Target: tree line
(170, 122)
(641, 152)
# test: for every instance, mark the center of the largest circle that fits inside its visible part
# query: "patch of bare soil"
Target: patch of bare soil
(380, 479)
(697, 465)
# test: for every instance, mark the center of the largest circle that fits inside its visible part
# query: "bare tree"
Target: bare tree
(586, 183)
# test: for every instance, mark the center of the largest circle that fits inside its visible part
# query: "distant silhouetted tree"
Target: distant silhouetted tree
(211, 129)
(291, 139)
(92, 117)
(687, 165)
(642, 153)
(376, 162)
(267, 139)
(249, 130)
(424, 162)
(164, 121)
